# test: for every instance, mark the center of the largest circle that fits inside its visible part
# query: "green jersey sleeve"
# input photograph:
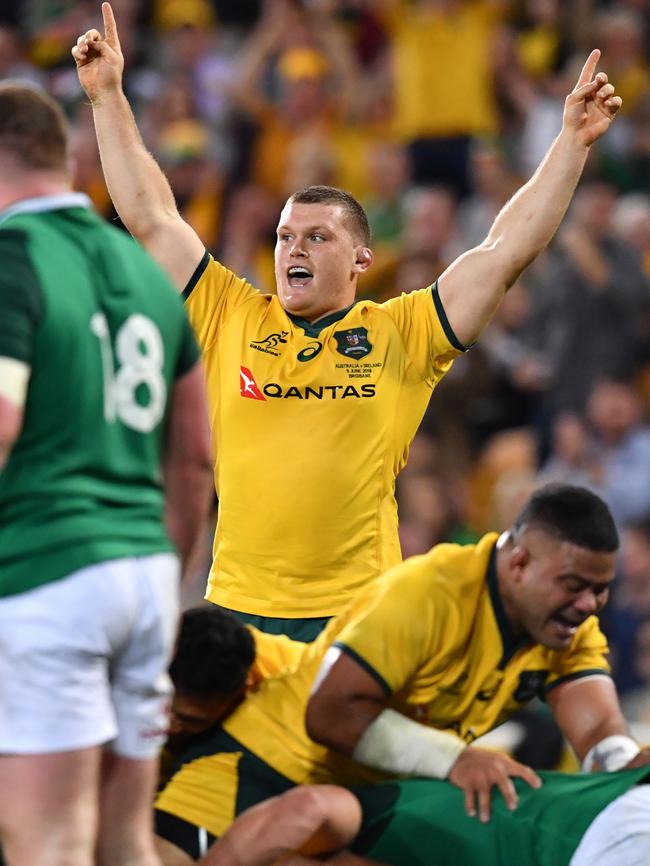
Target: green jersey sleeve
(21, 297)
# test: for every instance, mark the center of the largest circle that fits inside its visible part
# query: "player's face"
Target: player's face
(317, 260)
(190, 715)
(555, 586)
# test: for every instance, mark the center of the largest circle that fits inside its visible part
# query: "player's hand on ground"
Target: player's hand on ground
(478, 771)
(99, 58)
(641, 760)
(592, 104)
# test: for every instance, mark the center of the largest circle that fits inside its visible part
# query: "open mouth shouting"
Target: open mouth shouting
(299, 276)
(564, 626)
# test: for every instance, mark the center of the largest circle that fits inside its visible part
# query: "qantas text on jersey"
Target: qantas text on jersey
(249, 388)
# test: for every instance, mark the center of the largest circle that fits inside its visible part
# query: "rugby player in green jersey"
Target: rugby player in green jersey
(104, 479)
(601, 819)
(334, 388)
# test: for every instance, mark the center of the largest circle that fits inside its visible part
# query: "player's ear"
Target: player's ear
(363, 259)
(519, 557)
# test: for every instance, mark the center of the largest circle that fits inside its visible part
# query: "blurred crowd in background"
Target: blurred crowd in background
(432, 113)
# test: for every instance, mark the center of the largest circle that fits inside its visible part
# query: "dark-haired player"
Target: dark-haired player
(435, 653)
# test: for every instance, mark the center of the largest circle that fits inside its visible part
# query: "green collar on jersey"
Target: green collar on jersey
(43, 203)
(313, 329)
(511, 643)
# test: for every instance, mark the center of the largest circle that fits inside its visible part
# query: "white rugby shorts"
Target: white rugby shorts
(620, 835)
(83, 660)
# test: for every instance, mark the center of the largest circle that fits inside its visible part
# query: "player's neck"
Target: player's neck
(34, 185)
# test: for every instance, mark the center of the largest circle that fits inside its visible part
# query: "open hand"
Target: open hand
(99, 59)
(477, 771)
(592, 104)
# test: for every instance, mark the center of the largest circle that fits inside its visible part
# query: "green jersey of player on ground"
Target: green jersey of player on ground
(83, 484)
(424, 822)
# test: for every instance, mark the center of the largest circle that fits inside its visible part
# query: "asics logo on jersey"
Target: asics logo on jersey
(310, 351)
(248, 385)
(269, 344)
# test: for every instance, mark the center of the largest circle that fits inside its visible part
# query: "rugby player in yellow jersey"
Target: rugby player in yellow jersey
(217, 659)
(315, 398)
(437, 652)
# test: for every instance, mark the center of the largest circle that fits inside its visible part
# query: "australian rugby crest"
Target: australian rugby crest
(353, 343)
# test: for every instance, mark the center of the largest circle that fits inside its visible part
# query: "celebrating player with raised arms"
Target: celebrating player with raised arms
(315, 397)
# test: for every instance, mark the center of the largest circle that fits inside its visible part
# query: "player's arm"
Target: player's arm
(348, 712)
(20, 313)
(139, 189)
(589, 715)
(187, 462)
(14, 376)
(313, 820)
(473, 286)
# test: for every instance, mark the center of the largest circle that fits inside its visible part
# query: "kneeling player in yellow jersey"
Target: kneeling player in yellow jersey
(314, 396)
(436, 653)
(217, 660)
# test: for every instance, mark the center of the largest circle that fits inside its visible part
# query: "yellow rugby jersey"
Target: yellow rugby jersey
(274, 654)
(311, 424)
(433, 632)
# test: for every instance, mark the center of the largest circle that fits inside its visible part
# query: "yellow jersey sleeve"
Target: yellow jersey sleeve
(586, 656)
(211, 296)
(429, 340)
(274, 654)
(403, 607)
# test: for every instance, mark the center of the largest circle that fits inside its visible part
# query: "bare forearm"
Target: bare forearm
(188, 501)
(529, 220)
(139, 189)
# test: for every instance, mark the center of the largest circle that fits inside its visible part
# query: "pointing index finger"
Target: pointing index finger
(587, 70)
(110, 27)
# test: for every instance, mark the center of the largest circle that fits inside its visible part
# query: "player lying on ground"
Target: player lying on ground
(310, 366)
(573, 820)
(439, 651)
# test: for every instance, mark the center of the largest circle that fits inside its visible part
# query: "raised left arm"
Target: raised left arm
(589, 715)
(474, 285)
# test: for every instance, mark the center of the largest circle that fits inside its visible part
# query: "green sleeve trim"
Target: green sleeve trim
(578, 675)
(196, 276)
(366, 666)
(444, 321)
(21, 297)
(189, 352)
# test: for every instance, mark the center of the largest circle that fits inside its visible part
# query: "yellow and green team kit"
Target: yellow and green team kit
(433, 633)
(311, 424)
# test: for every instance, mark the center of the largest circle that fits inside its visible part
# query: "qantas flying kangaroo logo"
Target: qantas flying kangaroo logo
(248, 385)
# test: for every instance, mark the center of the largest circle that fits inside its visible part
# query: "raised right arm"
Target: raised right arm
(139, 189)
